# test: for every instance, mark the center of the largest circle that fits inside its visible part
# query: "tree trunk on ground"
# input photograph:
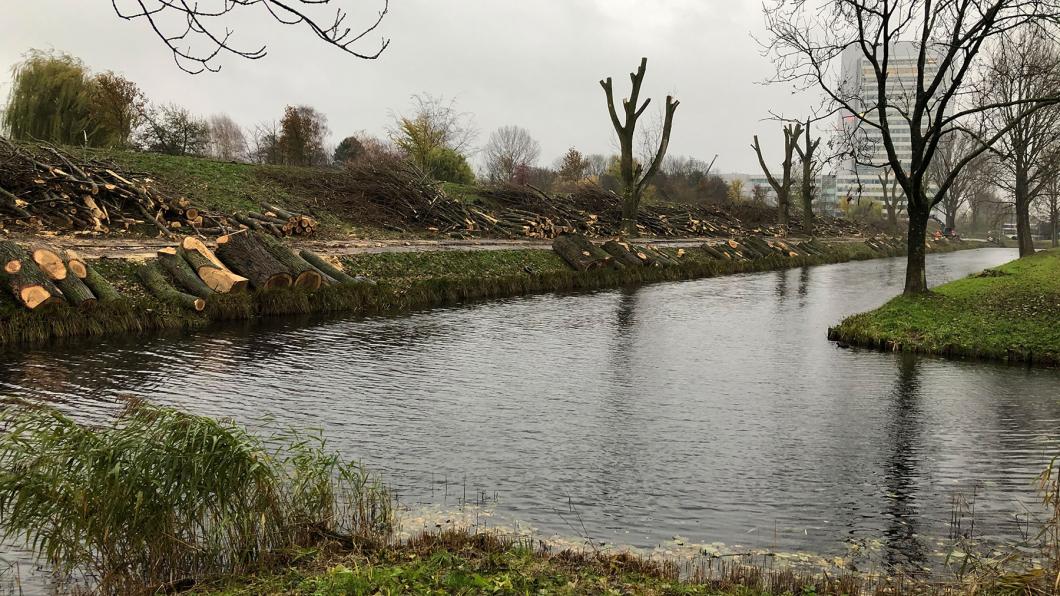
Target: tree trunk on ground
(916, 259)
(324, 267)
(53, 266)
(623, 253)
(305, 275)
(172, 261)
(654, 257)
(99, 285)
(152, 278)
(209, 268)
(581, 254)
(29, 285)
(242, 253)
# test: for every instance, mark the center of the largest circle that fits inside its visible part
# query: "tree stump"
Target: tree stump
(246, 256)
(29, 285)
(173, 262)
(305, 275)
(152, 278)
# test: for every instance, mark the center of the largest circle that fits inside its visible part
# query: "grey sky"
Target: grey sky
(534, 64)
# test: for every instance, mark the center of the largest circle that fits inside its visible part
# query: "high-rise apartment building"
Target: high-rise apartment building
(861, 178)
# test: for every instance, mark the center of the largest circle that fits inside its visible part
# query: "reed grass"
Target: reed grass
(159, 498)
(406, 281)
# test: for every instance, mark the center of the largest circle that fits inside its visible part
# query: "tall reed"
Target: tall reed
(159, 496)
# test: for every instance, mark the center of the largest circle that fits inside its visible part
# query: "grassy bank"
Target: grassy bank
(1010, 313)
(405, 281)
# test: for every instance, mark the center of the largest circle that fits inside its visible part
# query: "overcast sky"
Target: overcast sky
(534, 64)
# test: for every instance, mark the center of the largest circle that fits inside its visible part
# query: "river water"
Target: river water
(701, 412)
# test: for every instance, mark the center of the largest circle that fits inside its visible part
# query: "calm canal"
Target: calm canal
(714, 411)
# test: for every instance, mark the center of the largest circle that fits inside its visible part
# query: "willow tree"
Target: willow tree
(922, 94)
(51, 100)
(633, 175)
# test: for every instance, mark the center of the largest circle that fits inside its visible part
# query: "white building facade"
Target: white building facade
(863, 179)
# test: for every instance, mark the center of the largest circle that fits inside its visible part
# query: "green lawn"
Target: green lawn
(1009, 313)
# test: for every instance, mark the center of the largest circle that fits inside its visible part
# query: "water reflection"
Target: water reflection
(714, 409)
(902, 469)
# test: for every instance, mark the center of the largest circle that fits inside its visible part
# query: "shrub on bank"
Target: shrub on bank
(159, 498)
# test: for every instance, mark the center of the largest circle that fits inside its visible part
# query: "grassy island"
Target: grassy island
(1010, 313)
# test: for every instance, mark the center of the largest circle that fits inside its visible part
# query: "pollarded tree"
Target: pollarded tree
(948, 43)
(782, 187)
(1026, 66)
(199, 33)
(51, 100)
(893, 204)
(509, 150)
(633, 176)
(810, 168)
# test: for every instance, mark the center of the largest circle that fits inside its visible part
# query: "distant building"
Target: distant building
(862, 181)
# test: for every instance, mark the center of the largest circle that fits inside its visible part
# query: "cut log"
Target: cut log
(54, 267)
(280, 212)
(180, 270)
(99, 285)
(305, 275)
(151, 275)
(715, 253)
(75, 264)
(29, 285)
(210, 269)
(323, 266)
(581, 254)
(49, 261)
(244, 254)
(622, 252)
(654, 257)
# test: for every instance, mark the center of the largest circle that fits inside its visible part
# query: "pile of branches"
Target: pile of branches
(44, 187)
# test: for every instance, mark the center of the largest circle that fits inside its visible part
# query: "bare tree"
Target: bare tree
(810, 168)
(1025, 67)
(509, 150)
(892, 199)
(264, 146)
(1049, 207)
(198, 33)
(634, 177)
(596, 164)
(951, 152)
(808, 38)
(227, 141)
(782, 187)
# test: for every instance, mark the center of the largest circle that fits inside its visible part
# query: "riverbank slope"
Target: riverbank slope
(1010, 313)
(400, 282)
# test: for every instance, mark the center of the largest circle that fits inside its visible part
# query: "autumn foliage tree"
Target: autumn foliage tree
(302, 133)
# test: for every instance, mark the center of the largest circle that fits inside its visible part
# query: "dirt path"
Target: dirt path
(141, 248)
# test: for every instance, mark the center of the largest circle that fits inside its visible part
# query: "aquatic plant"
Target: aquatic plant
(159, 498)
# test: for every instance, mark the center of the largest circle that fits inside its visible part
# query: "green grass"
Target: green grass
(406, 281)
(1010, 313)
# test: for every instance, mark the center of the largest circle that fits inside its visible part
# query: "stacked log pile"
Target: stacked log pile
(186, 275)
(277, 222)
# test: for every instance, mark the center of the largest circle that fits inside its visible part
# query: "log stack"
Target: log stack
(581, 254)
(24, 279)
(49, 261)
